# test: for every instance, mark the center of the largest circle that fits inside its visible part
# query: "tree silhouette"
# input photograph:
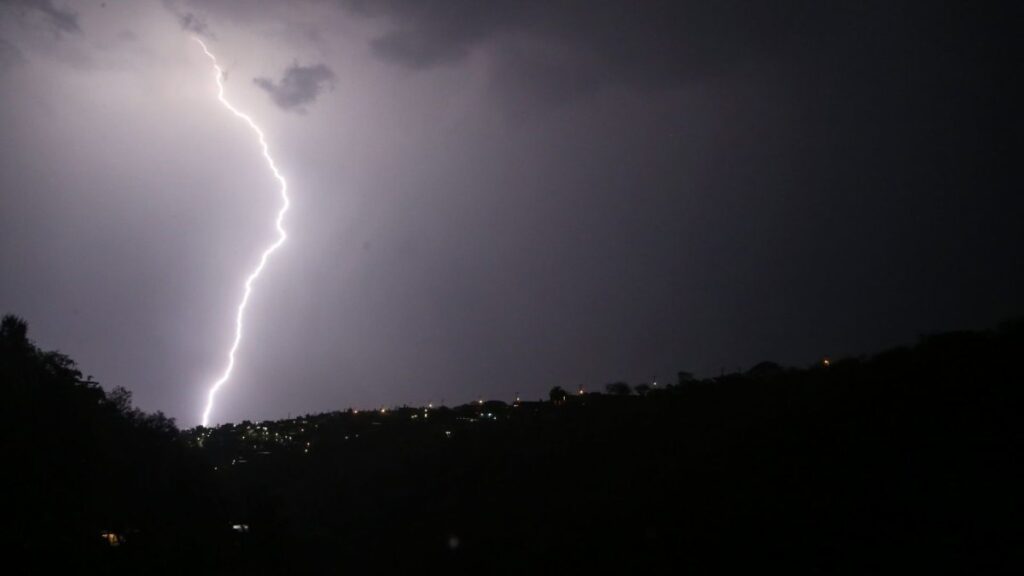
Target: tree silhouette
(14, 331)
(557, 395)
(684, 378)
(618, 389)
(87, 461)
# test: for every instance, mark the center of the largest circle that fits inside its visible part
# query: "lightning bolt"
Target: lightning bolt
(282, 236)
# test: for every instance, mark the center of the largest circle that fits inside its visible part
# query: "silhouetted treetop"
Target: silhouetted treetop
(13, 330)
(618, 389)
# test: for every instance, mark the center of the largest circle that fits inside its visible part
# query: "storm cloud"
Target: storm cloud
(299, 86)
(61, 20)
(195, 24)
(593, 44)
(504, 196)
(9, 55)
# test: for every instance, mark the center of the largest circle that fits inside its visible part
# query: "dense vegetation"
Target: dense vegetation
(899, 462)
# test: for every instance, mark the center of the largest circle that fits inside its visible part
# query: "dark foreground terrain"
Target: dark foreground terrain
(901, 462)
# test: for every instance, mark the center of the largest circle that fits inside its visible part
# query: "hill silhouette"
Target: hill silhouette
(902, 461)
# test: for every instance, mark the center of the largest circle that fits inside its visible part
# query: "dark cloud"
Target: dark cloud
(299, 86)
(195, 24)
(427, 34)
(589, 44)
(9, 55)
(62, 20)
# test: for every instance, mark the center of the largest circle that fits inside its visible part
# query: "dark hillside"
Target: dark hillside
(899, 462)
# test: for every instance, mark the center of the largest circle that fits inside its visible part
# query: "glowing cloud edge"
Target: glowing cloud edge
(279, 224)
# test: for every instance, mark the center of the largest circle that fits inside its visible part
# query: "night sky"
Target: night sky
(503, 196)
